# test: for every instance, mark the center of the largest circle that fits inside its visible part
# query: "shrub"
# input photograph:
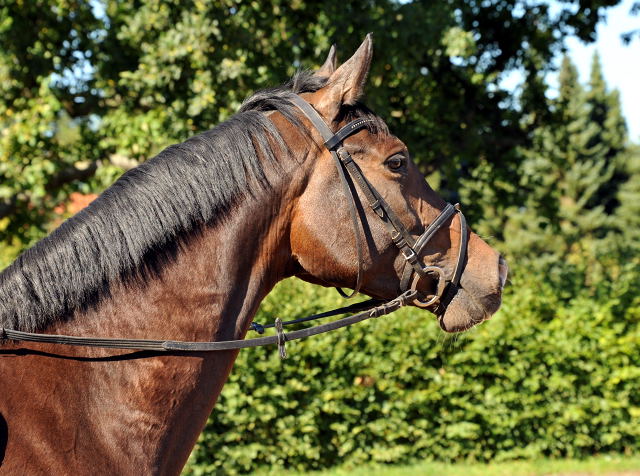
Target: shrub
(556, 373)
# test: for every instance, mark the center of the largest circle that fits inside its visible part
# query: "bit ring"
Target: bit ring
(429, 300)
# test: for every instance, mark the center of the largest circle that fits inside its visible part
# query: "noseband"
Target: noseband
(410, 248)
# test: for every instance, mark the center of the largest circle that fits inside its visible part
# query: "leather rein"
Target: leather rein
(409, 248)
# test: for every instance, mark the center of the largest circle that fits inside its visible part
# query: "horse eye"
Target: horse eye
(396, 162)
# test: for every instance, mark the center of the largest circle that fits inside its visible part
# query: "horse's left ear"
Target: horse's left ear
(346, 84)
(330, 64)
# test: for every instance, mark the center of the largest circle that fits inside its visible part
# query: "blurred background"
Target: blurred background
(527, 112)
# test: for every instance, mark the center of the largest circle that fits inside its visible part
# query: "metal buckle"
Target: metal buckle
(282, 339)
(411, 257)
(345, 157)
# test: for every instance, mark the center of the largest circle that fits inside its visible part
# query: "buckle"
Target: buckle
(411, 256)
(399, 240)
(345, 156)
(434, 300)
(282, 339)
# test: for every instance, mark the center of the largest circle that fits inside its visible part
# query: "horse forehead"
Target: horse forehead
(385, 144)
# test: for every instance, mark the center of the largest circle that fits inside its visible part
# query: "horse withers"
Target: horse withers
(186, 246)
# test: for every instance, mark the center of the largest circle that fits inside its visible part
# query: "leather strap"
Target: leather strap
(328, 135)
(359, 306)
(454, 284)
(182, 346)
(344, 132)
(422, 241)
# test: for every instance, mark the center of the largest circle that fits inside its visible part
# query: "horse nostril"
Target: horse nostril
(503, 271)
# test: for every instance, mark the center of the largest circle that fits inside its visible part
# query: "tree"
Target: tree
(101, 86)
(42, 148)
(627, 214)
(610, 139)
(571, 178)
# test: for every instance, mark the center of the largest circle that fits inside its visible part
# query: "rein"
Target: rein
(173, 345)
(409, 248)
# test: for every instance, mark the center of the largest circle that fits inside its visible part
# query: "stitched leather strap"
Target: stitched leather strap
(182, 346)
(328, 135)
(346, 131)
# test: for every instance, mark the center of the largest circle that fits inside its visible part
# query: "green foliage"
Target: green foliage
(102, 85)
(628, 213)
(41, 151)
(555, 373)
(566, 196)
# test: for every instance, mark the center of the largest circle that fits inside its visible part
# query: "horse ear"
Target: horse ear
(346, 84)
(330, 64)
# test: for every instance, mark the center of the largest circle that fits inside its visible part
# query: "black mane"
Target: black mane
(140, 223)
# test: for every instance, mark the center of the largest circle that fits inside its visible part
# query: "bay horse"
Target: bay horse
(185, 247)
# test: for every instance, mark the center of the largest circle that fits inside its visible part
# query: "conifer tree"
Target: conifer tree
(627, 215)
(610, 139)
(571, 176)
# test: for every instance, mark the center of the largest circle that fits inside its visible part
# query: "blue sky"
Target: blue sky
(620, 62)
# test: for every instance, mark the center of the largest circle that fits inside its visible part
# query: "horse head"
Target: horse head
(324, 239)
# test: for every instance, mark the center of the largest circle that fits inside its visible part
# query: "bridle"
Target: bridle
(409, 248)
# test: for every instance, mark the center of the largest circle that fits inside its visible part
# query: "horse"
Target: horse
(187, 245)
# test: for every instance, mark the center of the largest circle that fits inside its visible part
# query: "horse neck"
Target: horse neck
(210, 292)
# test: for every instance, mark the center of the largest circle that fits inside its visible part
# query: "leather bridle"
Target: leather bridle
(410, 249)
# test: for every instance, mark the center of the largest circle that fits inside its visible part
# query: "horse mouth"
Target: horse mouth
(460, 317)
(467, 310)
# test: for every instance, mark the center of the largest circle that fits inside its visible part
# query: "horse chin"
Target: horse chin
(464, 311)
